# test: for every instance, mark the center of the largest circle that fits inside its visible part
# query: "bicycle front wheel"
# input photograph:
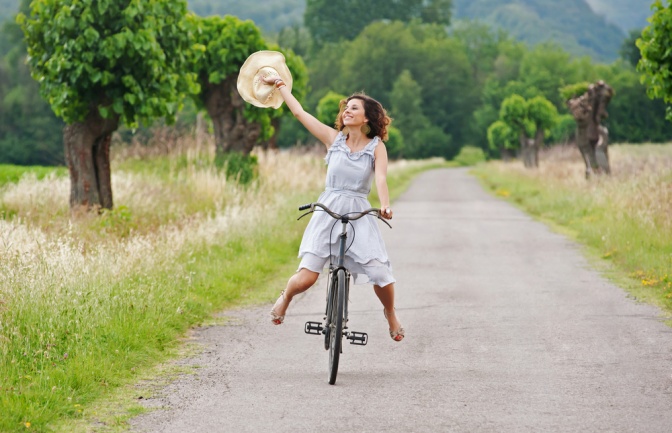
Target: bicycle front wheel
(336, 326)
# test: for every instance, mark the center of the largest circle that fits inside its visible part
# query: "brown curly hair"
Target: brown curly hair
(373, 111)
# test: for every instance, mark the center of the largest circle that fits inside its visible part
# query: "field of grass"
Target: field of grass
(89, 305)
(14, 173)
(625, 220)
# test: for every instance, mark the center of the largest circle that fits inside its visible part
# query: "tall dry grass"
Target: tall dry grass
(69, 286)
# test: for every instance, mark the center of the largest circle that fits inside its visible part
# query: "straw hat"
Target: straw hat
(259, 65)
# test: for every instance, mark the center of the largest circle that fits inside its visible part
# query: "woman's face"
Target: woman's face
(354, 115)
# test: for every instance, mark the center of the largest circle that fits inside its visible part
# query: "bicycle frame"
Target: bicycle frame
(338, 288)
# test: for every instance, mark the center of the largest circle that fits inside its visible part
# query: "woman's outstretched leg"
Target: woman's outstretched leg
(298, 283)
(386, 296)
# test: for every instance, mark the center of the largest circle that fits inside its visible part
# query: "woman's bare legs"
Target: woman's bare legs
(386, 296)
(298, 283)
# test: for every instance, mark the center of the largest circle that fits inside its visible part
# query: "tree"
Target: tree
(102, 63)
(543, 114)
(502, 138)
(406, 110)
(629, 51)
(529, 119)
(378, 56)
(335, 20)
(329, 107)
(30, 133)
(656, 60)
(222, 44)
(589, 110)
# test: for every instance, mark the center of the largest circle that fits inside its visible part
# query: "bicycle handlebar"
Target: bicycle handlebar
(351, 216)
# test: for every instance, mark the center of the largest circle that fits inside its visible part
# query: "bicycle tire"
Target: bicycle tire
(336, 333)
(330, 302)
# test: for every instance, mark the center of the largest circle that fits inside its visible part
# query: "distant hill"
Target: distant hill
(570, 23)
(626, 14)
(270, 15)
(8, 8)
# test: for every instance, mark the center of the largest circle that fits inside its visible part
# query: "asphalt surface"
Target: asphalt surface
(508, 329)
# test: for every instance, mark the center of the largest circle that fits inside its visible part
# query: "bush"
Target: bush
(242, 168)
(470, 155)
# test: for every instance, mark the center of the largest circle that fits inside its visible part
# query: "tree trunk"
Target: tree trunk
(233, 132)
(87, 153)
(592, 137)
(582, 111)
(506, 154)
(272, 143)
(527, 151)
(602, 150)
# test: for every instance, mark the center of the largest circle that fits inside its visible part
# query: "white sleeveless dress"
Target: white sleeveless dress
(348, 183)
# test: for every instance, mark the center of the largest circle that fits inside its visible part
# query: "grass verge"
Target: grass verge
(13, 173)
(623, 220)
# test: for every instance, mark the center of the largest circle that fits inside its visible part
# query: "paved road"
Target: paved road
(508, 330)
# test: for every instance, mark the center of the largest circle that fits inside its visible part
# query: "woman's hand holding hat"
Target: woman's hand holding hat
(257, 79)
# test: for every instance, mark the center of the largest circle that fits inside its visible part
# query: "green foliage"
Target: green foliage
(514, 112)
(329, 107)
(238, 166)
(14, 173)
(469, 156)
(574, 90)
(30, 133)
(629, 51)
(118, 221)
(395, 143)
(502, 136)
(564, 129)
(324, 18)
(541, 112)
(383, 51)
(126, 59)
(656, 60)
(221, 45)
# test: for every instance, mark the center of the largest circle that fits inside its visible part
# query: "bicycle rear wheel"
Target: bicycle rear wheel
(336, 327)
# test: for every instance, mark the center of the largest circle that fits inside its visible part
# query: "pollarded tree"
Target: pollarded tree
(101, 63)
(656, 60)
(513, 112)
(222, 46)
(503, 139)
(543, 114)
(529, 119)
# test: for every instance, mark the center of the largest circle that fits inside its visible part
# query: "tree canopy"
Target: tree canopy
(101, 55)
(656, 60)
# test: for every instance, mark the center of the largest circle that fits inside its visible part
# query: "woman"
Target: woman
(355, 155)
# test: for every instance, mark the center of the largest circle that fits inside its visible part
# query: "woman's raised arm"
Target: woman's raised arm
(322, 132)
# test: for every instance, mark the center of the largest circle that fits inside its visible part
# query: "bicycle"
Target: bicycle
(335, 322)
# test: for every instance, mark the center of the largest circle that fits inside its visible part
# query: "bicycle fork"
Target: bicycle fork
(325, 327)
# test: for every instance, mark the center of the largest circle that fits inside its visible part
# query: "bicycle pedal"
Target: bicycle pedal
(358, 338)
(314, 328)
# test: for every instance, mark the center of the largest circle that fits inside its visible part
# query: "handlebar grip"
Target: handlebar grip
(305, 206)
